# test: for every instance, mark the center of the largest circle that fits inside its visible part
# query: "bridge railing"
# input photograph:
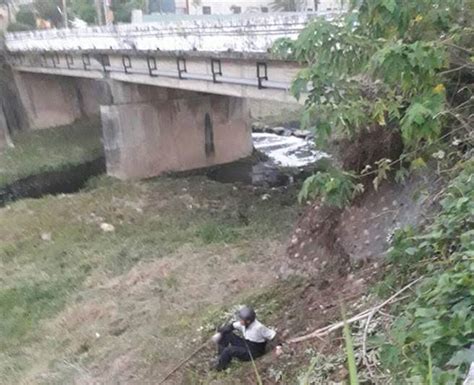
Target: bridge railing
(246, 33)
(262, 74)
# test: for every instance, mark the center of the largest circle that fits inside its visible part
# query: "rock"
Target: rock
(258, 127)
(46, 237)
(278, 130)
(285, 271)
(107, 227)
(301, 133)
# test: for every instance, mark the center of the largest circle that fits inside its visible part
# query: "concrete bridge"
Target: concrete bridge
(172, 96)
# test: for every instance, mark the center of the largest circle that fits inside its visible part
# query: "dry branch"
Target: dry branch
(177, 367)
(338, 325)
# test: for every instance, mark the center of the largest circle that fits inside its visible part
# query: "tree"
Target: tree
(389, 65)
(26, 16)
(123, 9)
(84, 10)
(286, 5)
(50, 10)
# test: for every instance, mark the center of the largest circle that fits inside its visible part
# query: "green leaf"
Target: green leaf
(350, 354)
(390, 5)
(299, 85)
(463, 356)
(417, 163)
(425, 312)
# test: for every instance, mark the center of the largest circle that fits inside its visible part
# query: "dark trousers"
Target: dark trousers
(232, 346)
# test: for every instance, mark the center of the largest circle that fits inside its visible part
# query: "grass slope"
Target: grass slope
(50, 149)
(82, 305)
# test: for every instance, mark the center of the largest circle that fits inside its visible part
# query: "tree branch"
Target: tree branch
(330, 328)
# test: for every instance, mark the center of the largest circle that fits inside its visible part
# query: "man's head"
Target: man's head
(246, 315)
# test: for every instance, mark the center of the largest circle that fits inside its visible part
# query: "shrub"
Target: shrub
(26, 16)
(18, 27)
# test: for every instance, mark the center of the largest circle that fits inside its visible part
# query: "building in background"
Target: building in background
(226, 7)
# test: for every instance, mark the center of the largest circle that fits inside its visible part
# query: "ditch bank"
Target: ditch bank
(66, 180)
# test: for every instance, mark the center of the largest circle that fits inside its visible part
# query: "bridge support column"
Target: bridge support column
(151, 130)
(51, 100)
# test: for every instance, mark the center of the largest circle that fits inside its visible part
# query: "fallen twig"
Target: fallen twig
(177, 367)
(365, 359)
(338, 325)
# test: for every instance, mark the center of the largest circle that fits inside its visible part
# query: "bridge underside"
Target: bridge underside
(147, 130)
(150, 130)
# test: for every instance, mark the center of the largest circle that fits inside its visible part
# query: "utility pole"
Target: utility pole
(99, 11)
(106, 12)
(65, 13)
(9, 11)
(108, 16)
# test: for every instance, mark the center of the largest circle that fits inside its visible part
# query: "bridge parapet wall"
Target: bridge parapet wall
(245, 34)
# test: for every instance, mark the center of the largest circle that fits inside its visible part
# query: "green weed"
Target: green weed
(428, 341)
(24, 305)
(212, 232)
(351, 361)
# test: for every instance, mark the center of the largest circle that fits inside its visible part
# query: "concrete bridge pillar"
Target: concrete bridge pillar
(51, 100)
(150, 130)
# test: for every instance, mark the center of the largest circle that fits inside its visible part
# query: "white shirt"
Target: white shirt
(255, 332)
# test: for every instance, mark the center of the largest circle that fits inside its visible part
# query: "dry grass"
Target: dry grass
(89, 306)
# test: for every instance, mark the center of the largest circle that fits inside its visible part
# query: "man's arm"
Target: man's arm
(226, 329)
(274, 340)
(231, 327)
(268, 334)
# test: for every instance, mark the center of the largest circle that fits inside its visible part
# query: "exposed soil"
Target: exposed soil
(328, 239)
